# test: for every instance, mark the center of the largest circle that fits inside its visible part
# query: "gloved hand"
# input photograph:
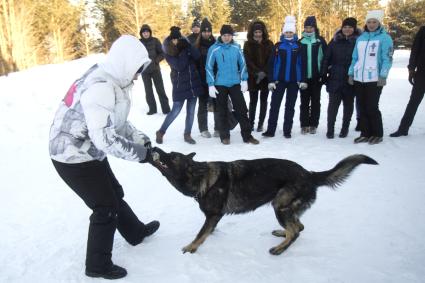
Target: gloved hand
(260, 76)
(272, 86)
(412, 77)
(350, 80)
(303, 86)
(244, 86)
(212, 91)
(381, 82)
(151, 155)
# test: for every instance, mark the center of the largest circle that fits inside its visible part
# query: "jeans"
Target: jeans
(177, 107)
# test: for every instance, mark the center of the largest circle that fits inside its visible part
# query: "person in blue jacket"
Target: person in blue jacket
(285, 73)
(230, 80)
(368, 72)
(182, 57)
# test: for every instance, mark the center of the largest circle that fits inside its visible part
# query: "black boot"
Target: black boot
(344, 132)
(114, 272)
(330, 133)
(398, 133)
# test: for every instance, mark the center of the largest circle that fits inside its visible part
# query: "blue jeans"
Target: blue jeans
(177, 107)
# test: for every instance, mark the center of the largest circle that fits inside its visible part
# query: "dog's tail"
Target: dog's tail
(337, 175)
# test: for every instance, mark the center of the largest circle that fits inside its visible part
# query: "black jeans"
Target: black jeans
(203, 111)
(416, 97)
(346, 96)
(310, 104)
(97, 186)
(159, 86)
(277, 96)
(370, 116)
(241, 111)
(253, 99)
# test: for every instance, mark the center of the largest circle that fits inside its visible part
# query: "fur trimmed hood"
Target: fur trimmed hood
(250, 35)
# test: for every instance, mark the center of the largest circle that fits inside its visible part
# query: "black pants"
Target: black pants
(239, 106)
(346, 96)
(97, 186)
(203, 111)
(277, 96)
(159, 86)
(253, 99)
(310, 104)
(416, 97)
(370, 116)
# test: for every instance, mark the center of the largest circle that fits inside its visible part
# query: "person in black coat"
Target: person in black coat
(182, 57)
(257, 50)
(313, 49)
(196, 28)
(334, 72)
(417, 79)
(153, 71)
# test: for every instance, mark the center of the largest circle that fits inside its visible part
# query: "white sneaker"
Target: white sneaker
(205, 134)
(216, 134)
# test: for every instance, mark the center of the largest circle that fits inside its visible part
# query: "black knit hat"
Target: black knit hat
(352, 22)
(310, 21)
(227, 29)
(206, 25)
(196, 23)
(144, 28)
(175, 32)
(258, 26)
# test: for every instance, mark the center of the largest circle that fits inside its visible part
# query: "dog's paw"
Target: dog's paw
(276, 251)
(279, 233)
(189, 248)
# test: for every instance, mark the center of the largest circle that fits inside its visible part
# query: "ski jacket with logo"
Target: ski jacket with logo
(372, 56)
(92, 118)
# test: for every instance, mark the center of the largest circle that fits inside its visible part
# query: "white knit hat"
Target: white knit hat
(289, 24)
(375, 14)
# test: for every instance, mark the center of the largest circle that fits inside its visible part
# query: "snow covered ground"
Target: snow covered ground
(370, 230)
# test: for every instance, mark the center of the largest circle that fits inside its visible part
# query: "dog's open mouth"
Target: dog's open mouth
(157, 160)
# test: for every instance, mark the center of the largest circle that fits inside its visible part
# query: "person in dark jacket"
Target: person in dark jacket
(417, 79)
(153, 72)
(285, 74)
(203, 43)
(230, 80)
(181, 56)
(335, 66)
(257, 50)
(196, 28)
(313, 50)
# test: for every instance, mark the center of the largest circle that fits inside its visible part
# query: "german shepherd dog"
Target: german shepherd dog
(243, 185)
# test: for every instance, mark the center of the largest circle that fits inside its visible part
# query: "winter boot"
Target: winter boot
(375, 140)
(114, 272)
(188, 139)
(305, 130)
(268, 134)
(398, 133)
(260, 128)
(313, 130)
(361, 139)
(344, 132)
(225, 141)
(205, 134)
(251, 140)
(159, 137)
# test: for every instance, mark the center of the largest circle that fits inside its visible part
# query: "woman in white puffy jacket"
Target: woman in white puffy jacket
(90, 123)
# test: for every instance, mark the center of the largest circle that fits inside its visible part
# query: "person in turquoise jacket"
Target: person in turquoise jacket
(230, 80)
(368, 72)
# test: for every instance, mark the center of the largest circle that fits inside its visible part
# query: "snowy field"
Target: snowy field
(370, 230)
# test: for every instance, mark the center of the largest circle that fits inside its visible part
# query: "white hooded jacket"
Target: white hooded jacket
(92, 118)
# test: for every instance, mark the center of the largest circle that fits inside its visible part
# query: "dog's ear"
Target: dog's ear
(191, 155)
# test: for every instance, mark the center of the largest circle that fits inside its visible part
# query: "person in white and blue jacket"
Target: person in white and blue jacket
(91, 123)
(285, 73)
(370, 65)
(230, 80)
